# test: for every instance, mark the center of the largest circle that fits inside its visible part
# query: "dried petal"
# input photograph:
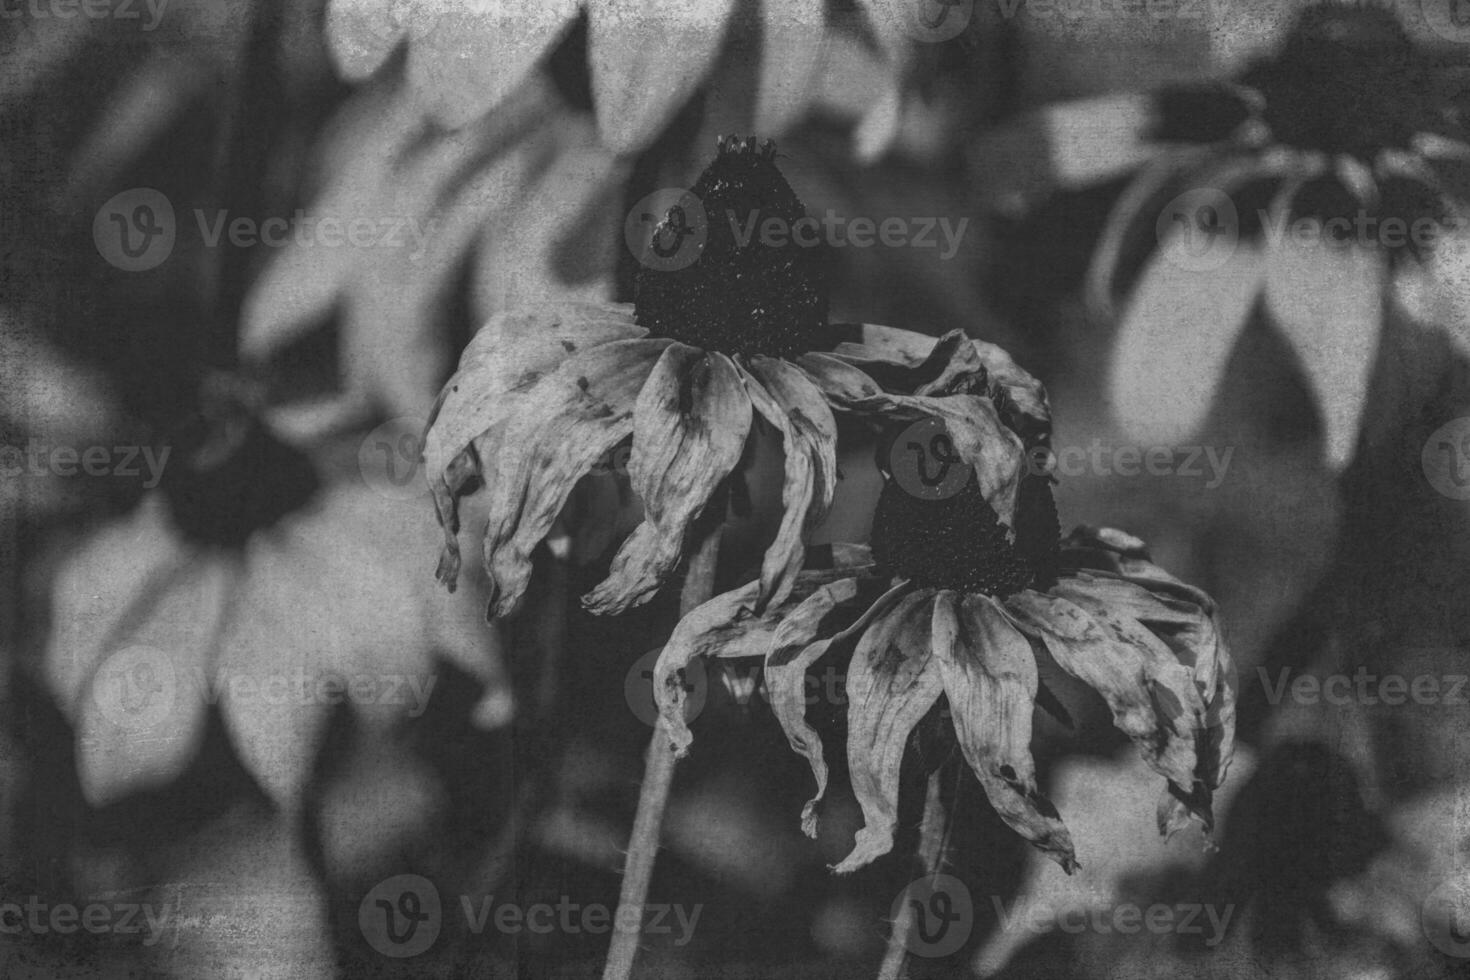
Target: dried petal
(497, 372)
(786, 399)
(795, 648)
(980, 437)
(689, 432)
(1151, 695)
(990, 679)
(891, 683)
(573, 415)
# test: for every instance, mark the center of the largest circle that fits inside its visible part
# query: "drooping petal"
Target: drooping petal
(1151, 695)
(360, 35)
(467, 55)
(725, 626)
(892, 682)
(880, 348)
(1111, 550)
(796, 647)
(793, 35)
(692, 418)
(990, 679)
(980, 437)
(497, 371)
(786, 399)
(573, 415)
(1328, 302)
(646, 58)
(944, 368)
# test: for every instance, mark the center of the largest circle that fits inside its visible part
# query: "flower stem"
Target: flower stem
(658, 772)
(933, 840)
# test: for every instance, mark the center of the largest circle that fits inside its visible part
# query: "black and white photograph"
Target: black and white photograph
(734, 489)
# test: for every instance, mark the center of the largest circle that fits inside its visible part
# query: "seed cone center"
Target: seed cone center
(755, 278)
(958, 543)
(1349, 80)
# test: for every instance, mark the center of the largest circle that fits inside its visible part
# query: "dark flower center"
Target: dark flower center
(1349, 80)
(958, 542)
(755, 278)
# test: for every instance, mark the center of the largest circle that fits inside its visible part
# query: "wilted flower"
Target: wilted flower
(644, 61)
(950, 602)
(740, 332)
(1315, 186)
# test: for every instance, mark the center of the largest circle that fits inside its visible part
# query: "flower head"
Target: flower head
(738, 335)
(950, 606)
(1317, 185)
